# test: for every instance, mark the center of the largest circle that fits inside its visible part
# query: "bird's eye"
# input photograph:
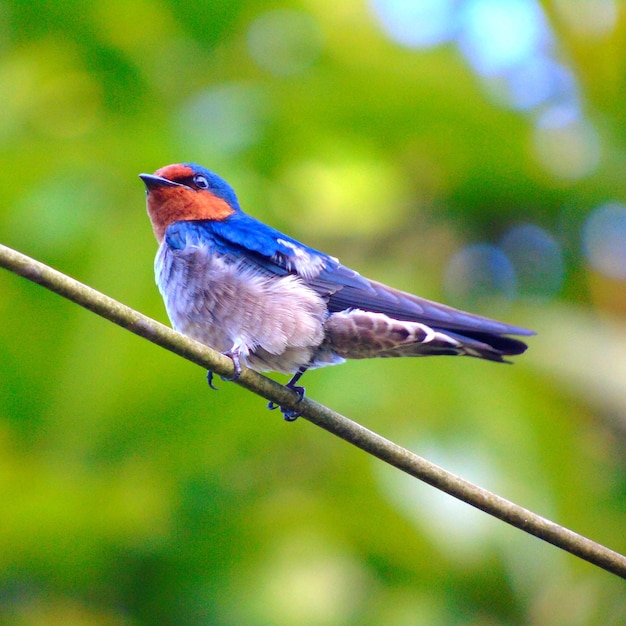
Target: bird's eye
(200, 181)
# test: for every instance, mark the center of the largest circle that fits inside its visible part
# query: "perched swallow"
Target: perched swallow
(271, 303)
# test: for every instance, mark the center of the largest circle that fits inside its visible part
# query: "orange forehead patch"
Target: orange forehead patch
(167, 205)
(173, 172)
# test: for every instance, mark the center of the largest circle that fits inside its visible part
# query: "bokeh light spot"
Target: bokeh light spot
(324, 582)
(565, 145)
(589, 18)
(284, 42)
(604, 240)
(134, 26)
(417, 24)
(68, 105)
(224, 119)
(538, 81)
(499, 34)
(537, 258)
(479, 272)
(356, 195)
(60, 211)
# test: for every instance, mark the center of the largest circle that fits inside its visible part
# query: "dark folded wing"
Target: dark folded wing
(346, 289)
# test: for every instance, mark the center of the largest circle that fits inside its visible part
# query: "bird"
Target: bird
(271, 303)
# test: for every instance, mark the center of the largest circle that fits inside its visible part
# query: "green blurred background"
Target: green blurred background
(471, 151)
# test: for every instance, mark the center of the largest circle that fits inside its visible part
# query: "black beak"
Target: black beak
(151, 181)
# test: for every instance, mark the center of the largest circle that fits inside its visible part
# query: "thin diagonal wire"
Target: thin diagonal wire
(322, 416)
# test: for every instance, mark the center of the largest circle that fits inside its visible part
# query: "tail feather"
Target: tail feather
(358, 334)
(506, 346)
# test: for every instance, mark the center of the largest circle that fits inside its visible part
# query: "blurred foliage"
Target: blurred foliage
(131, 493)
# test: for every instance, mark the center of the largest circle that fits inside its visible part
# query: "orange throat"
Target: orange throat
(167, 205)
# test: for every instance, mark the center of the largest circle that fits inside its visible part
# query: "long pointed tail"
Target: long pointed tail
(360, 334)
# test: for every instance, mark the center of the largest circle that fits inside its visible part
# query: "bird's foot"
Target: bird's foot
(233, 355)
(209, 379)
(289, 415)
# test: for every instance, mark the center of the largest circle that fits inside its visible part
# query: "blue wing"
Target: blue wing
(268, 250)
(246, 239)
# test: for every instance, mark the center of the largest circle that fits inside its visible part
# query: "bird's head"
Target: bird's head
(187, 191)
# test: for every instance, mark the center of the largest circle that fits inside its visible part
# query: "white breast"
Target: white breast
(275, 322)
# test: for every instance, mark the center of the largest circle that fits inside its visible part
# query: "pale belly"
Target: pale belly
(276, 323)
